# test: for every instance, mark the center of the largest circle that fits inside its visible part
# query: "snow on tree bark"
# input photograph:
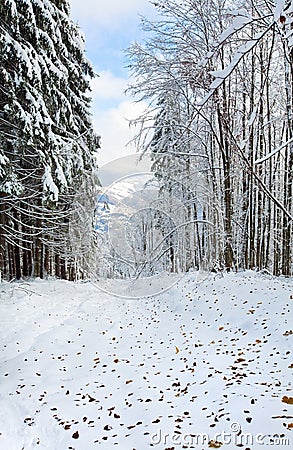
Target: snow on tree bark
(47, 142)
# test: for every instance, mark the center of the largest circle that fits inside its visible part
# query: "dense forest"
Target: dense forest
(217, 77)
(47, 143)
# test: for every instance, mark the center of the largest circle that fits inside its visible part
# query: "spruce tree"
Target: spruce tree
(47, 142)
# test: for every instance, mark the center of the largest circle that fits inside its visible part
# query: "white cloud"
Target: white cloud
(108, 86)
(113, 23)
(116, 134)
(108, 12)
(113, 126)
(112, 122)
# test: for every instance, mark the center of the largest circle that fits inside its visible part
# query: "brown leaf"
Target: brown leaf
(282, 19)
(215, 444)
(288, 400)
(75, 435)
(177, 350)
(288, 333)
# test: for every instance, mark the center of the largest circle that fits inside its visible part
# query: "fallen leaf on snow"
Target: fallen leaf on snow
(75, 435)
(215, 444)
(288, 333)
(288, 400)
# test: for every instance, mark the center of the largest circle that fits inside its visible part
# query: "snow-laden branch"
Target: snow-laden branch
(154, 256)
(240, 21)
(260, 182)
(281, 15)
(222, 75)
(271, 154)
(178, 154)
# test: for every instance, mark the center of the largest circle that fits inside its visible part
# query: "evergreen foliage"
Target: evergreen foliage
(47, 143)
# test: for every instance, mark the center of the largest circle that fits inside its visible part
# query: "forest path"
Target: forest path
(81, 369)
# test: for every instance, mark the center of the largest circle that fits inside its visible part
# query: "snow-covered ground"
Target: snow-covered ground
(194, 367)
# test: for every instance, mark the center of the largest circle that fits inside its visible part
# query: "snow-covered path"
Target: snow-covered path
(200, 363)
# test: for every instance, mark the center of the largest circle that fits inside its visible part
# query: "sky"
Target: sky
(109, 27)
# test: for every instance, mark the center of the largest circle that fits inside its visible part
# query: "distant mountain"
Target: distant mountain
(123, 198)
